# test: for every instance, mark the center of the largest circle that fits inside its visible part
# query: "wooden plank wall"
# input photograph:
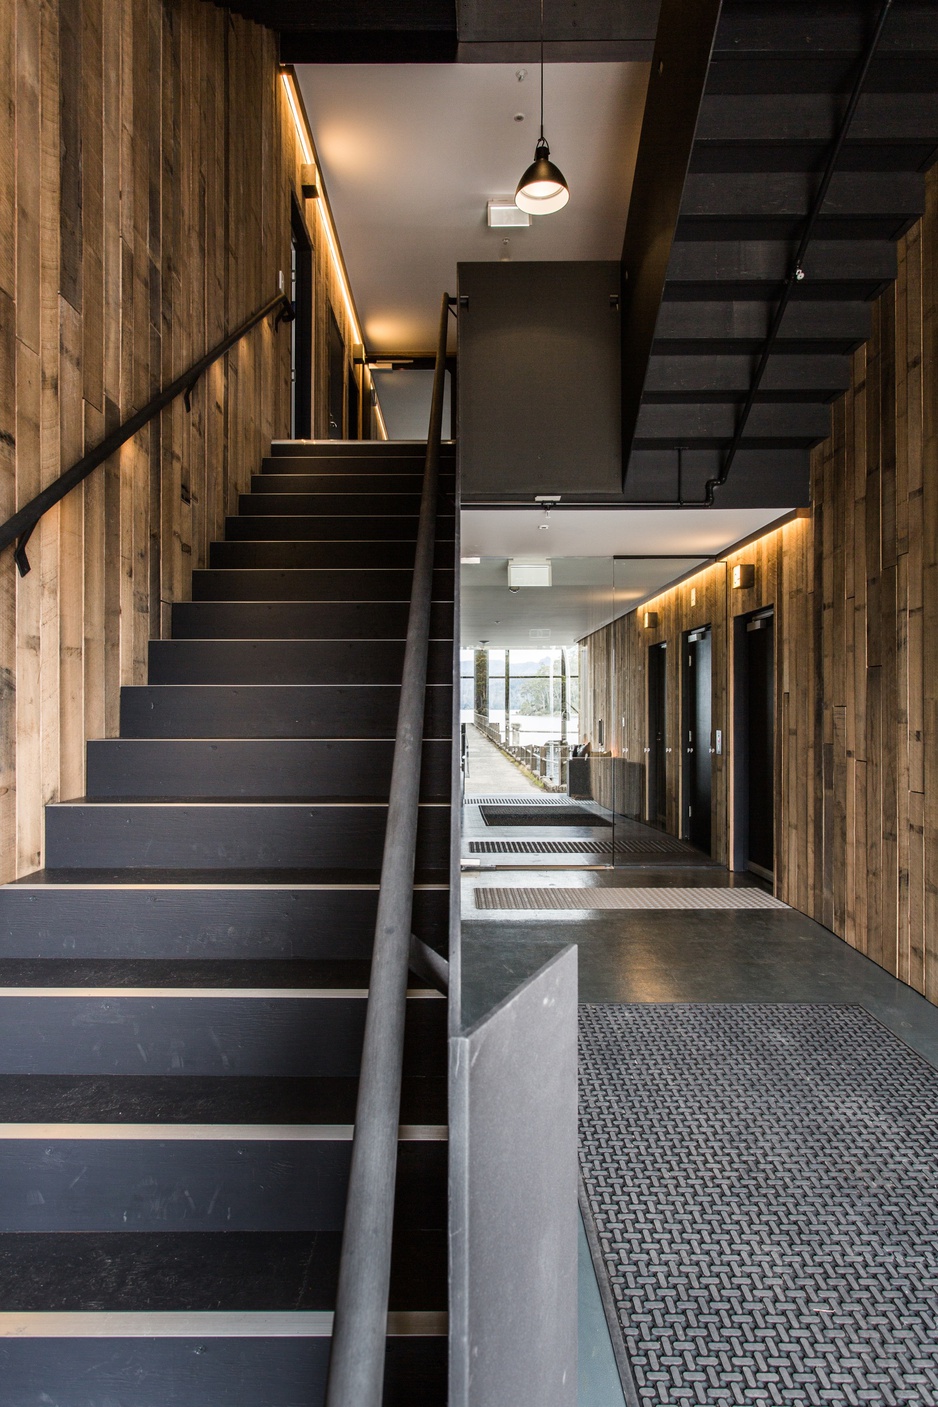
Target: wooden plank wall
(855, 591)
(147, 160)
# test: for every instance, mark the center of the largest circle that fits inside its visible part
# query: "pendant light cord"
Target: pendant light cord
(542, 70)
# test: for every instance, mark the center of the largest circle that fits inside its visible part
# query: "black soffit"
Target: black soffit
(429, 31)
(706, 271)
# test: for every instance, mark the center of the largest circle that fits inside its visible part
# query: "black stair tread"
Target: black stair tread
(339, 584)
(185, 1099)
(307, 527)
(230, 768)
(244, 801)
(344, 551)
(256, 620)
(214, 878)
(301, 711)
(289, 973)
(178, 1270)
(240, 799)
(304, 662)
(363, 449)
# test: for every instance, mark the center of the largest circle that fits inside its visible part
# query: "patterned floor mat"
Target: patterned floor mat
(763, 1182)
(605, 897)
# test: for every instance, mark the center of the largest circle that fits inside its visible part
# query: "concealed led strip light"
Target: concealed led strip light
(305, 139)
(289, 85)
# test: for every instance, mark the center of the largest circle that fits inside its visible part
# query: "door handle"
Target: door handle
(647, 749)
(667, 749)
(690, 751)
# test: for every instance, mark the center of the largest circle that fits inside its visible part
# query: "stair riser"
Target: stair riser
(356, 584)
(195, 1371)
(222, 837)
(297, 527)
(359, 549)
(286, 620)
(189, 922)
(238, 1270)
(256, 768)
(333, 505)
(128, 1184)
(381, 452)
(271, 662)
(288, 711)
(274, 1037)
(306, 478)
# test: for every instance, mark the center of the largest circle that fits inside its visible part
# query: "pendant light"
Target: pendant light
(542, 189)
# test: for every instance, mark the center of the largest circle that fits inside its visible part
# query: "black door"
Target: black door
(301, 329)
(354, 430)
(697, 725)
(657, 736)
(760, 709)
(336, 381)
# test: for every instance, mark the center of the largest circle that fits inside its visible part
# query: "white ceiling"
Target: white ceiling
(608, 532)
(605, 562)
(412, 153)
(585, 594)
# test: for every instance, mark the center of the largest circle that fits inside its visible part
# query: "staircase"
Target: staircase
(183, 987)
(779, 81)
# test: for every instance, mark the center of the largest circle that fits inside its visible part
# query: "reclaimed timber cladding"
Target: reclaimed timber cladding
(148, 160)
(854, 586)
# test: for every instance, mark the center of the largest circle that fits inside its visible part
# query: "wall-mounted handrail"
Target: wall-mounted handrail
(18, 528)
(356, 1365)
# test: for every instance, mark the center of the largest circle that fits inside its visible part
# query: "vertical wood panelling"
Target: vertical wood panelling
(855, 592)
(147, 163)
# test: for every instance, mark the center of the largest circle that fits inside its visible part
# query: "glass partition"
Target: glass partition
(525, 727)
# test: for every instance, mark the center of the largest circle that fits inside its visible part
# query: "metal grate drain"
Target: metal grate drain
(522, 799)
(540, 847)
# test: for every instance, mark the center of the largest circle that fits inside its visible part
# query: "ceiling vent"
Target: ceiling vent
(503, 213)
(528, 574)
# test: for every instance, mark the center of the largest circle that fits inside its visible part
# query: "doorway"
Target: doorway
(657, 735)
(301, 328)
(754, 743)
(698, 753)
(336, 381)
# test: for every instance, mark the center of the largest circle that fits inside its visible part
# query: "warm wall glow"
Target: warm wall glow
(305, 139)
(293, 98)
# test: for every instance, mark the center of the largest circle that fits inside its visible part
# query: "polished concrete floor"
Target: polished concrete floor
(670, 956)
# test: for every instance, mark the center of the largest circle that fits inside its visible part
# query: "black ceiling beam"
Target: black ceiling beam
(824, 26)
(679, 67)
(359, 46)
(728, 378)
(815, 117)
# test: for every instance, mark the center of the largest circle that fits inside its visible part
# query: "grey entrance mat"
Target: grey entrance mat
(517, 799)
(549, 816)
(606, 897)
(763, 1183)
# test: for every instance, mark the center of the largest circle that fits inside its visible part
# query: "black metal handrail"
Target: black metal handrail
(796, 268)
(356, 1365)
(19, 528)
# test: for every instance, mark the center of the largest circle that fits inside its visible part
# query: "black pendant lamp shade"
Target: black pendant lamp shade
(542, 189)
